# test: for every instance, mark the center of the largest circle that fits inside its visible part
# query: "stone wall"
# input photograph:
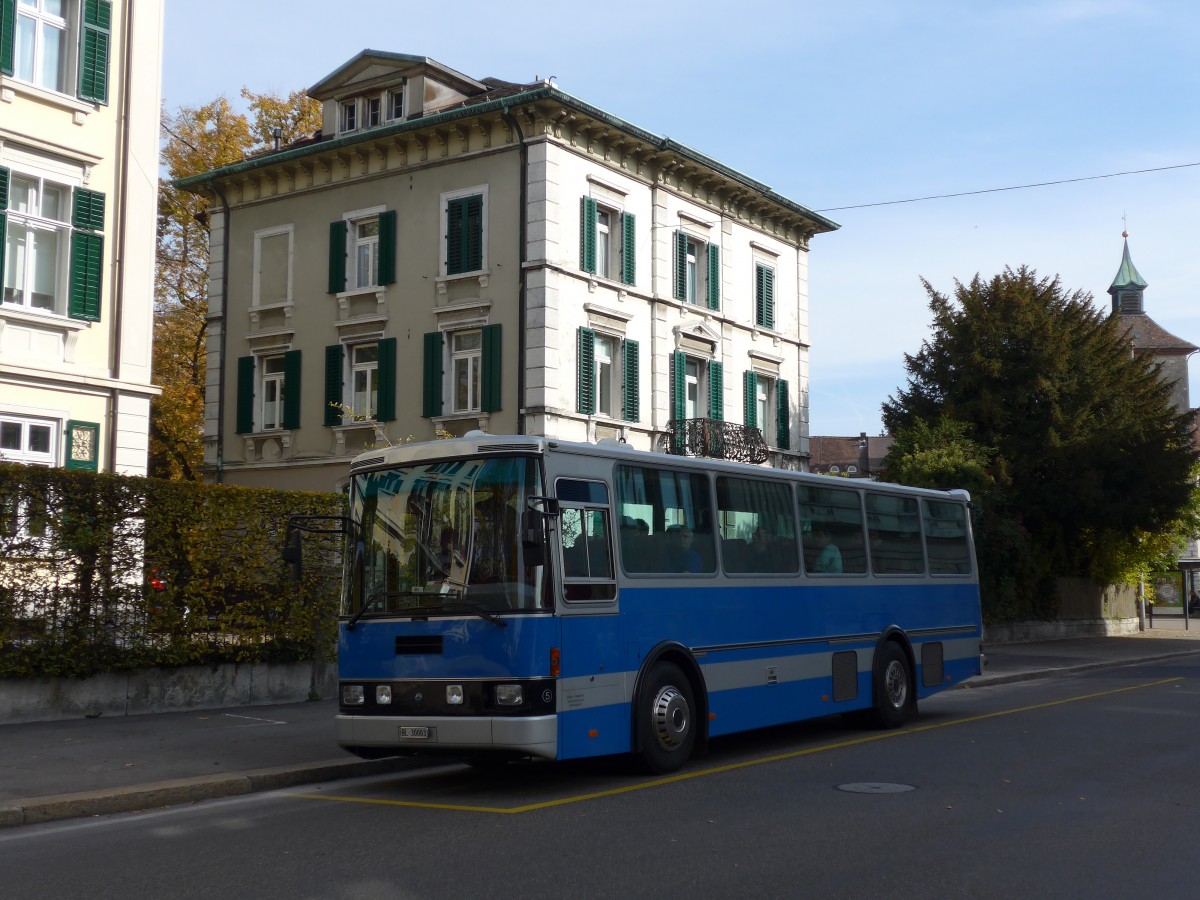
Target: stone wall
(165, 690)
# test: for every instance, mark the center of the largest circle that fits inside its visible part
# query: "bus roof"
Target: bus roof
(479, 443)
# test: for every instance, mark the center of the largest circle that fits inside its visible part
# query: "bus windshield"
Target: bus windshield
(442, 538)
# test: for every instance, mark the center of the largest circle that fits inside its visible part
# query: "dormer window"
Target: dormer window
(349, 115)
(395, 101)
(372, 112)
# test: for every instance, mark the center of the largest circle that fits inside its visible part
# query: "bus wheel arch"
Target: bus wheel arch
(670, 709)
(893, 681)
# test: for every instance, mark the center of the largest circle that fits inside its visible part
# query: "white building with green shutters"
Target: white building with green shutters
(79, 115)
(450, 254)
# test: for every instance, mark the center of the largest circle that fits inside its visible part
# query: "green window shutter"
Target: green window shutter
(474, 260)
(333, 385)
(8, 32)
(87, 257)
(87, 210)
(83, 445)
(680, 266)
(678, 385)
(716, 391)
(628, 248)
(94, 50)
(337, 257)
(764, 296)
(464, 235)
(587, 234)
(387, 247)
(678, 399)
(751, 399)
(783, 429)
(585, 382)
(714, 276)
(489, 390)
(245, 395)
(291, 389)
(386, 373)
(631, 407)
(432, 401)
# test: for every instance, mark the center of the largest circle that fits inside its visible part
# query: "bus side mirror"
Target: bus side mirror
(533, 537)
(293, 555)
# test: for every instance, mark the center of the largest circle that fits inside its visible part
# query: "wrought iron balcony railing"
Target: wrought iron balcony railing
(714, 439)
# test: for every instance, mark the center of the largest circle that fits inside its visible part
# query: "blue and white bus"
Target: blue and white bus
(523, 596)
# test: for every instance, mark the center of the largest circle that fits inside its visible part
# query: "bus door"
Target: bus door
(593, 717)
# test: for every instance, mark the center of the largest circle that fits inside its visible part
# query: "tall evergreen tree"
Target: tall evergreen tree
(1092, 453)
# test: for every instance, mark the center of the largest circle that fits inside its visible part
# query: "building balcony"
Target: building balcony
(714, 439)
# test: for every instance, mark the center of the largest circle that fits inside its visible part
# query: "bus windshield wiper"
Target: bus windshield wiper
(417, 611)
(371, 601)
(466, 608)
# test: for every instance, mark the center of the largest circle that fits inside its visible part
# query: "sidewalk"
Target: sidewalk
(88, 767)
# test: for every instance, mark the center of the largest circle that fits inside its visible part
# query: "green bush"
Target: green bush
(107, 572)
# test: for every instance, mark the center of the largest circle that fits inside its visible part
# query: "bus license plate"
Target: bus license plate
(414, 732)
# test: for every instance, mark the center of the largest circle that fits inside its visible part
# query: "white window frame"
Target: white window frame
(259, 237)
(482, 190)
(348, 116)
(23, 454)
(764, 406)
(368, 408)
(392, 95)
(35, 222)
(472, 359)
(372, 112)
(270, 381)
(698, 381)
(606, 366)
(67, 24)
(353, 219)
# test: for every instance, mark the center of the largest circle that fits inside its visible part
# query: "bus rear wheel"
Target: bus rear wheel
(895, 699)
(666, 719)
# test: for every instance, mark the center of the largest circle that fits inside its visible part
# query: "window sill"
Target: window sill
(481, 275)
(267, 446)
(341, 432)
(10, 87)
(56, 321)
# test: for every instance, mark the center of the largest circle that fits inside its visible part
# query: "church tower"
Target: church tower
(1148, 338)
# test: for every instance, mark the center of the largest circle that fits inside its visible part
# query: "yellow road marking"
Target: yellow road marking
(729, 767)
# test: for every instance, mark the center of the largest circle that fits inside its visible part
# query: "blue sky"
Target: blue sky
(864, 103)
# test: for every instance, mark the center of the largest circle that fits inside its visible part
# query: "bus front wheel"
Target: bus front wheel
(895, 699)
(667, 719)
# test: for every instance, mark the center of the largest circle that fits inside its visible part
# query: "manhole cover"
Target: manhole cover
(875, 787)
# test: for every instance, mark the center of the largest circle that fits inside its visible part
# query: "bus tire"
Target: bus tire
(667, 719)
(895, 698)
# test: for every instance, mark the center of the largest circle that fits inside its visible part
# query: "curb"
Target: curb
(1049, 671)
(104, 802)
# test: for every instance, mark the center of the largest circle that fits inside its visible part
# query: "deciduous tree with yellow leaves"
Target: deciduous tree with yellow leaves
(200, 139)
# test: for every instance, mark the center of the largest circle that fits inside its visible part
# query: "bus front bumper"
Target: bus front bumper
(535, 735)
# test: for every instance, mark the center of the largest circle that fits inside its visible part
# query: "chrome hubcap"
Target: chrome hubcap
(672, 718)
(895, 684)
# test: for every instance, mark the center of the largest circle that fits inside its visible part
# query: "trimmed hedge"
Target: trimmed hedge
(100, 573)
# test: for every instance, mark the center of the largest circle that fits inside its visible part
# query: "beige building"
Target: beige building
(79, 117)
(451, 254)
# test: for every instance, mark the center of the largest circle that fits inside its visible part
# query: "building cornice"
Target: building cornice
(543, 112)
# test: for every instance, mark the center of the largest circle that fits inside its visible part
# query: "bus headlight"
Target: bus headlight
(454, 694)
(509, 695)
(352, 695)
(383, 694)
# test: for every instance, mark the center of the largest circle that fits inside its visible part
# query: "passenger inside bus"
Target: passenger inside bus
(828, 559)
(682, 556)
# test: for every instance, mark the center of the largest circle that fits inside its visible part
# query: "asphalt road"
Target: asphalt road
(1076, 786)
